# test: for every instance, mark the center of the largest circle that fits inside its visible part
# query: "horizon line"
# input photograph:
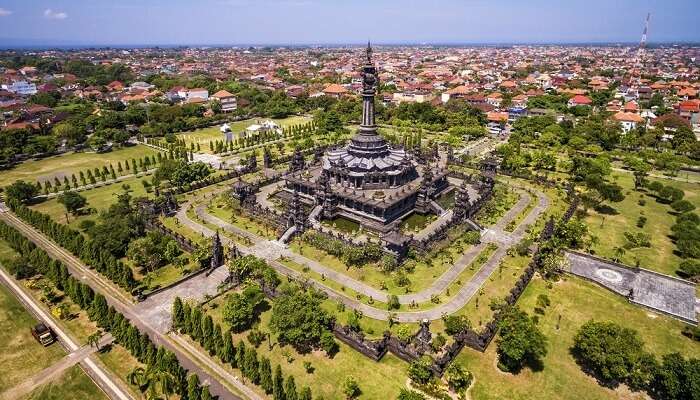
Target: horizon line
(68, 45)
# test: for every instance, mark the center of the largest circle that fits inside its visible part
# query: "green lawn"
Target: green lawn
(504, 198)
(99, 198)
(71, 163)
(20, 355)
(74, 384)
(205, 135)
(576, 301)
(496, 287)
(610, 228)
(381, 380)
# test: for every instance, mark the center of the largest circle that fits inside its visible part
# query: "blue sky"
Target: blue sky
(112, 22)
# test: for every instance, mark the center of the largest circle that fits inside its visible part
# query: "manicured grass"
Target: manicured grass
(71, 163)
(609, 228)
(503, 200)
(447, 200)
(20, 354)
(424, 270)
(576, 301)
(343, 225)
(220, 208)
(74, 384)
(99, 199)
(205, 135)
(416, 222)
(496, 287)
(377, 380)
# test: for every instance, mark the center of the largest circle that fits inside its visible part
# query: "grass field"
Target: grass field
(610, 227)
(381, 380)
(20, 355)
(99, 199)
(71, 163)
(576, 301)
(74, 384)
(205, 135)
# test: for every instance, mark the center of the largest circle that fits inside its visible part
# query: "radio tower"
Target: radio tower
(643, 43)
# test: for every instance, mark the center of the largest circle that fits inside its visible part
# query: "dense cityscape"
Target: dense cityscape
(367, 221)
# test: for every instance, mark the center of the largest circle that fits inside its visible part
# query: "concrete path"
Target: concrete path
(663, 293)
(103, 379)
(54, 371)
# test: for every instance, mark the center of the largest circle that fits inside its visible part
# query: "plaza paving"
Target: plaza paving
(663, 293)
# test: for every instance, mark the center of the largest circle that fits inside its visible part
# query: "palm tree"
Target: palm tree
(94, 339)
(152, 381)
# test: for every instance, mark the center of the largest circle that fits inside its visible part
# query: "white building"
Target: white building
(197, 93)
(23, 88)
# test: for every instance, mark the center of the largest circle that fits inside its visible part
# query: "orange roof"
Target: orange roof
(334, 88)
(631, 106)
(580, 100)
(221, 94)
(628, 116)
(458, 90)
(497, 116)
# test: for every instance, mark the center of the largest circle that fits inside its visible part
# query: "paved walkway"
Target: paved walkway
(272, 251)
(659, 292)
(102, 378)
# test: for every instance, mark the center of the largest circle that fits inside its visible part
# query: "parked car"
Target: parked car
(43, 334)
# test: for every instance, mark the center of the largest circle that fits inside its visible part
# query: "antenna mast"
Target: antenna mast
(643, 43)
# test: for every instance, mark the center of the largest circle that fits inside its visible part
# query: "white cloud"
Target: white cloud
(4, 12)
(51, 14)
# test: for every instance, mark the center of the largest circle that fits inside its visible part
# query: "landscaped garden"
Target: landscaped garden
(572, 302)
(46, 169)
(641, 213)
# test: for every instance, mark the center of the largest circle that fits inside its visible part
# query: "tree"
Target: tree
(676, 378)
(613, 353)
(406, 394)
(298, 319)
(21, 191)
(290, 389)
(72, 201)
(193, 390)
(458, 378)
(239, 310)
(682, 206)
(250, 365)
(350, 388)
(278, 385)
(205, 395)
(178, 313)
(266, 381)
(93, 340)
(455, 324)
(689, 269)
(520, 341)
(419, 370)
